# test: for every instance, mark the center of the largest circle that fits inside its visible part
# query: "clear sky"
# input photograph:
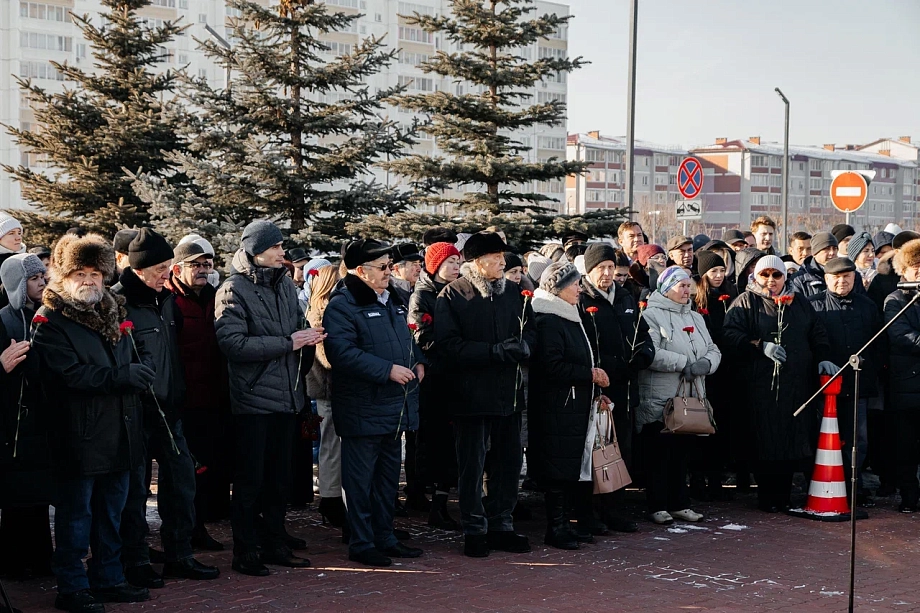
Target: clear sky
(707, 68)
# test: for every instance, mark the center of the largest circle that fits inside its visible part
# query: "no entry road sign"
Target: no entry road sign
(690, 178)
(849, 191)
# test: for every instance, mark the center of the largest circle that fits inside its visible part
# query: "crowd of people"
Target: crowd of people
(455, 361)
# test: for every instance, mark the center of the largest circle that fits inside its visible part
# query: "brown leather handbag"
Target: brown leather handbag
(688, 414)
(609, 468)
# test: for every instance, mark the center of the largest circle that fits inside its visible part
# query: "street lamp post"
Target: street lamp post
(631, 108)
(785, 234)
(654, 215)
(223, 43)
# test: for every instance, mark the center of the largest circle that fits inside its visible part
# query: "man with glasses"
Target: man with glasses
(377, 368)
(152, 309)
(680, 251)
(206, 414)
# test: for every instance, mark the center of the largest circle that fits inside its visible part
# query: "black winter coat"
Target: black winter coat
(256, 313)
(96, 426)
(366, 338)
(885, 282)
(422, 302)
(157, 321)
(767, 414)
(904, 354)
(616, 329)
(472, 318)
(850, 322)
(561, 392)
(25, 479)
(810, 280)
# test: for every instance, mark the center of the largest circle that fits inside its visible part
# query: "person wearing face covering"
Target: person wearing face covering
(781, 373)
(684, 353)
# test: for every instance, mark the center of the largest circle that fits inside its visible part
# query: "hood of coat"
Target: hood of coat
(426, 283)
(544, 302)
(242, 264)
(659, 301)
(104, 317)
(485, 287)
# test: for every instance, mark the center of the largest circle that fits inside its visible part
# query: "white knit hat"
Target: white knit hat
(770, 261)
(7, 223)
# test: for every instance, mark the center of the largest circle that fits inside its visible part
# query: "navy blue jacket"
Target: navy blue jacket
(365, 339)
(810, 279)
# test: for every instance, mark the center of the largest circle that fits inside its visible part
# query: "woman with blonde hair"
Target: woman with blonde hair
(319, 387)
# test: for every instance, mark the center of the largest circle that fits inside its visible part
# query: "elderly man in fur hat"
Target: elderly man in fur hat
(93, 380)
(479, 329)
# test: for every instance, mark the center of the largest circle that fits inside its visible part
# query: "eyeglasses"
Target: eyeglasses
(199, 265)
(378, 267)
(775, 274)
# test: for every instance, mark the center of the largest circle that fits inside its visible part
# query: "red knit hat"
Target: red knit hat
(644, 252)
(436, 254)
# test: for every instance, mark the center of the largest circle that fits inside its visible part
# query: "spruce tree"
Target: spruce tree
(108, 120)
(476, 131)
(293, 137)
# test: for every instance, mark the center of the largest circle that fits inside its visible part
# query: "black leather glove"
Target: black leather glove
(511, 350)
(140, 376)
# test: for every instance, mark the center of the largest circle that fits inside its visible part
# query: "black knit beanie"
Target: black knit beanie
(148, 249)
(706, 260)
(597, 253)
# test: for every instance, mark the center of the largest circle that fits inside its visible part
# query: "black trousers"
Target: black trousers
(25, 540)
(261, 479)
(665, 458)
(208, 433)
(774, 482)
(907, 444)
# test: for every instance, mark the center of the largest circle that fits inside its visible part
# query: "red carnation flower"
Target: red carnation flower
(689, 329)
(200, 470)
(724, 297)
(126, 326)
(527, 293)
(643, 304)
(39, 319)
(783, 300)
(413, 327)
(704, 311)
(591, 310)
(427, 319)
(313, 272)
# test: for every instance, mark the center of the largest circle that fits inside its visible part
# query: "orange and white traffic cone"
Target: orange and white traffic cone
(827, 492)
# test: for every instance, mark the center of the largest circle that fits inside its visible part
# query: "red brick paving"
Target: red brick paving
(776, 563)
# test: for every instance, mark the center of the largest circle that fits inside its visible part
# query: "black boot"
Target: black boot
(203, 541)
(333, 511)
(438, 517)
(558, 533)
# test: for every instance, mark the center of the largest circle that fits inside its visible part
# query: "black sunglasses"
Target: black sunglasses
(380, 267)
(775, 274)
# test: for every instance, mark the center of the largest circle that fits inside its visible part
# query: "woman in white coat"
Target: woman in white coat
(683, 351)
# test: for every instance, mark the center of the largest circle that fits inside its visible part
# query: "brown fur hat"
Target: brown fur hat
(73, 252)
(908, 255)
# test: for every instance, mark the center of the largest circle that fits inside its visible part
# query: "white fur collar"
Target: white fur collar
(544, 302)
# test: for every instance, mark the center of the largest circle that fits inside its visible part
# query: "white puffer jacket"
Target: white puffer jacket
(674, 349)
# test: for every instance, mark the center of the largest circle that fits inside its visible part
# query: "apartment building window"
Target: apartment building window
(336, 48)
(40, 70)
(561, 33)
(408, 8)
(815, 183)
(559, 77)
(412, 59)
(645, 178)
(233, 12)
(547, 97)
(415, 35)
(613, 176)
(594, 155)
(760, 161)
(595, 195)
(661, 197)
(183, 4)
(597, 175)
(550, 52)
(202, 18)
(550, 187)
(421, 84)
(615, 157)
(183, 58)
(672, 179)
(202, 73)
(661, 179)
(815, 164)
(351, 4)
(48, 12)
(551, 142)
(167, 3)
(802, 166)
(673, 160)
(152, 23)
(52, 42)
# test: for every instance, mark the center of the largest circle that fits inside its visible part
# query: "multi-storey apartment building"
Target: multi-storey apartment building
(33, 33)
(603, 185)
(743, 179)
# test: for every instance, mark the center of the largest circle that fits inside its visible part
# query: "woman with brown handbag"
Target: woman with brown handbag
(684, 355)
(563, 383)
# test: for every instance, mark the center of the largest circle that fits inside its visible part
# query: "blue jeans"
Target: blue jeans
(370, 478)
(87, 513)
(175, 498)
(493, 445)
